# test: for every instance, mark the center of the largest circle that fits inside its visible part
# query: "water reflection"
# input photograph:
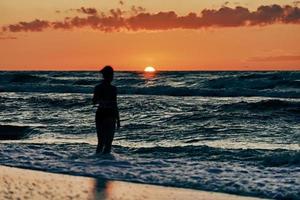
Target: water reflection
(149, 75)
(118, 190)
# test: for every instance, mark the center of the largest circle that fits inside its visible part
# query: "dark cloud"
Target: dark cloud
(137, 9)
(159, 21)
(292, 15)
(88, 11)
(226, 3)
(268, 15)
(141, 20)
(33, 26)
(225, 17)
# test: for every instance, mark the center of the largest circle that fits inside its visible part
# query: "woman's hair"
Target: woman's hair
(107, 72)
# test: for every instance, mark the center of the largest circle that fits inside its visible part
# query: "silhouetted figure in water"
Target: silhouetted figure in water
(107, 115)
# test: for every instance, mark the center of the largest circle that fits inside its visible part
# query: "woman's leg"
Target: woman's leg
(109, 127)
(100, 138)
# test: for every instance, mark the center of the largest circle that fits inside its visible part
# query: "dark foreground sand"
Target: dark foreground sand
(28, 184)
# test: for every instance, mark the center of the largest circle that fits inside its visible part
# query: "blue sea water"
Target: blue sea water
(234, 132)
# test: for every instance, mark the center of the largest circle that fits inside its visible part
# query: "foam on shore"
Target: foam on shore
(28, 184)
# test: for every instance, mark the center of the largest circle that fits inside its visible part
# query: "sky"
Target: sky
(133, 34)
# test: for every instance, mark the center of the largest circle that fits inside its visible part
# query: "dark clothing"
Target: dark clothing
(105, 95)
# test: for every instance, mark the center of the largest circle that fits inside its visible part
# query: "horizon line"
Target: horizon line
(157, 71)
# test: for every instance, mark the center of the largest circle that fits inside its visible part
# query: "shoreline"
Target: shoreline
(32, 184)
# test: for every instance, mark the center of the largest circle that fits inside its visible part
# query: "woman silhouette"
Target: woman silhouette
(107, 114)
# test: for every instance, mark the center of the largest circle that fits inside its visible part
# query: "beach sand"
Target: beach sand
(29, 184)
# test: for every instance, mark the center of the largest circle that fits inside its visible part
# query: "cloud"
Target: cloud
(226, 3)
(296, 3)
(280, 58)
(33, 26)
(88, 11)
(137, 9)
(117, 20)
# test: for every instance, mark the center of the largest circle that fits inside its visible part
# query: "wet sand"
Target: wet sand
(18, 183)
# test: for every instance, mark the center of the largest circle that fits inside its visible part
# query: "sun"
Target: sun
(149, 69)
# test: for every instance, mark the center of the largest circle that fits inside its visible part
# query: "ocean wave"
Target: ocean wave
(253, 81)
(154, 90)
(269, 158)
(60, 102)
(46, 88)
(27, 78)
(13, 132)
(265, 105)
(279, 159)
(218, 84)
(270, 75)
(185, 91)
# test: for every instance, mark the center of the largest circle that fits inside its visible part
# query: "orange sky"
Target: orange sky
(169, 41)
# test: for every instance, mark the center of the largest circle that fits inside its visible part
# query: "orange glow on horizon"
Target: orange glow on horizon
(267, 47)
(193, 50)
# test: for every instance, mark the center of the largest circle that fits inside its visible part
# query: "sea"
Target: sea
(232, 132)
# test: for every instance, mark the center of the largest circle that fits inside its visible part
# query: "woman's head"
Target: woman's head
(107, 73)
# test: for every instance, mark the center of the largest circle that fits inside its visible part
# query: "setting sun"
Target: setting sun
(149, 69)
